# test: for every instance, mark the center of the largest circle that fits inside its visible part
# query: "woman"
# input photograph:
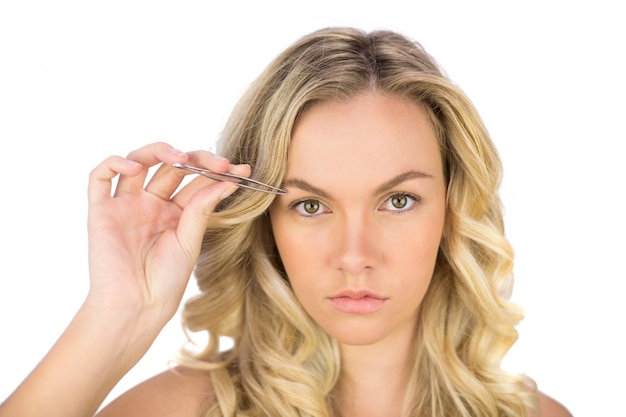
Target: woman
(376, 285)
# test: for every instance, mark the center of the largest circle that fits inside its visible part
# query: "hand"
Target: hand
(144, 239)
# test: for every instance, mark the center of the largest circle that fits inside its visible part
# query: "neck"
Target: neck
(374, 378)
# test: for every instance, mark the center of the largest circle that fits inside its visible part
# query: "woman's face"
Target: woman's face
(359, 229)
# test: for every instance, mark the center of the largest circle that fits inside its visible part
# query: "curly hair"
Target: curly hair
(281, 362)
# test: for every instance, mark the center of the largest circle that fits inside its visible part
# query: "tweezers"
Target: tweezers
(240, 181)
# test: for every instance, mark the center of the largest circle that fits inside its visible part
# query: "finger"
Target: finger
(148, 156)
(195, 217)
(243, 170)
(101, 177)
(167, 179)
(185, 194)
(206, 159)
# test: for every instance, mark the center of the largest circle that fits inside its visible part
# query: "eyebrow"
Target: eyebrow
(399, 179)
(305, 186)
(387, 185)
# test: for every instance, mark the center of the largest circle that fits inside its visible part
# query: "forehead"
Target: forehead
(373, 131)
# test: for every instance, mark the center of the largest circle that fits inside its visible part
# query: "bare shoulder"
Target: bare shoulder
(549, 407)
(178, 392)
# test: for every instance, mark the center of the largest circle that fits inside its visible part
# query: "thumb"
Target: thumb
(197, 213)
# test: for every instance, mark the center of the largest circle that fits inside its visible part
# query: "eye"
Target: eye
(399, 202)
(309, 207)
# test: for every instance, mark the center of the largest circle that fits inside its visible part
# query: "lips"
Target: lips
(358, 302)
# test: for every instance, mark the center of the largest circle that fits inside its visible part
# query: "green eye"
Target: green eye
(311, 206)
(399, 201)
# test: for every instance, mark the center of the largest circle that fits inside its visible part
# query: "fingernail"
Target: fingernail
(133, 163)
(177, 152)
(232, 166)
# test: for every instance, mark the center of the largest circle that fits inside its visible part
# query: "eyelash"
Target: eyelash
(413, 200)
(297, 206)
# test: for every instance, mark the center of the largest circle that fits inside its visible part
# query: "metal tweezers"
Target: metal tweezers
(240, 181)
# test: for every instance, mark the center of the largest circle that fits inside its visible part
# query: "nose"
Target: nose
(356, 244)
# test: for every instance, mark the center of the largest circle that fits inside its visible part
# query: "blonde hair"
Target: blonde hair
(282, 363)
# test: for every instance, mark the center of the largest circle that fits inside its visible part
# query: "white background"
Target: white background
(82, 80)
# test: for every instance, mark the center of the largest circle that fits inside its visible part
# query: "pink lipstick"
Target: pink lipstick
(357, 302)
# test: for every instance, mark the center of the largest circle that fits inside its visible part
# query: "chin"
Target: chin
(357, 340)
(356, 335)
(369, 331)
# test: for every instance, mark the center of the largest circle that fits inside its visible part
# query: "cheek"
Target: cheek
(298, 258)
(413, 263)
(297, 250)
(416, 251)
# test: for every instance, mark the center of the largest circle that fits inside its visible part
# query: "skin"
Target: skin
(373, 226)
(144, 241)
(338, 230)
